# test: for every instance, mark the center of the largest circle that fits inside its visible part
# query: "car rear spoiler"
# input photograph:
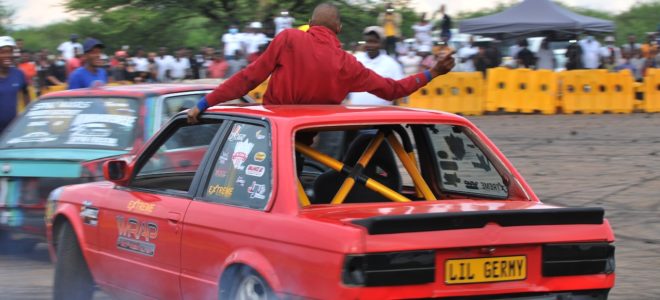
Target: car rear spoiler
(479, 219)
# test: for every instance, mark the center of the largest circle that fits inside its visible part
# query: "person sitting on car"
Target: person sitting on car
(311, 68)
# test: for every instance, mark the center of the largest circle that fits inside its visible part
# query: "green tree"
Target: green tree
(6, 14)
(639, 19)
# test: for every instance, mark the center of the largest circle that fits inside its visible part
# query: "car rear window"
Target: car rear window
(464, 168)
(100, 123)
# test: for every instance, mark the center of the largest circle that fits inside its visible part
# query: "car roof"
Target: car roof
(328, 115)
(133, 90)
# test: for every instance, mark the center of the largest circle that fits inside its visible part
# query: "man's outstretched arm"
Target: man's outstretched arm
(365, 80)
(242, 82)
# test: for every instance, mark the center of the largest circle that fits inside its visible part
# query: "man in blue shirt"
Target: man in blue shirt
(12, 81)
(91, 74)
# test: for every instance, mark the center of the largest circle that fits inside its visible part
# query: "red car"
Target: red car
(245, 205)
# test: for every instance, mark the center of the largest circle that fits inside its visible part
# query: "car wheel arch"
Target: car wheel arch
(252, 259)
(68, 215)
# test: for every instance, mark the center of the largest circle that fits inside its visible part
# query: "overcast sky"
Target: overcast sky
(41, 12)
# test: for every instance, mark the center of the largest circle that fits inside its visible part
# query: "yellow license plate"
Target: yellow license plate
(491, 269)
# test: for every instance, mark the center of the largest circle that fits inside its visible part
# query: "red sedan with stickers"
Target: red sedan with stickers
(322, 202)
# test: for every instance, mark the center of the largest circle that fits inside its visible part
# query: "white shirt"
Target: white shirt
(282, 23)
(232, 43)
(423, 34)
(141, 64)
(545, 59)
(465, 54)
(252, 42)
(590, 53)
(67, 49)
(179, 67)
(410, 63)
(163, 64)
(384, 65)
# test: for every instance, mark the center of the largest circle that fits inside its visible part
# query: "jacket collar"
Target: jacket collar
(324, 35)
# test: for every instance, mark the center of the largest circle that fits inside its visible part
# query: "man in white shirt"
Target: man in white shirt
(283, 21)
(180, 66)
(410, 62)
(233, 41)
(377, 60)
(68, 48)
(164, 65)
(254, 38)
(465, 55)
(423, 32)
(590, 52)
(140, 61)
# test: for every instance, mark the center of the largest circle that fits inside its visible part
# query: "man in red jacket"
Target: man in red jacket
(311, 68)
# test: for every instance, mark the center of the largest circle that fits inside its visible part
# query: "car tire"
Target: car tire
(73, 281)
(247, 284)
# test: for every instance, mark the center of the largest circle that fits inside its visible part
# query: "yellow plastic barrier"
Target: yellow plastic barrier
(499, 89)
(651, 87)
(619, 92)
(544, 93)
(461, 93)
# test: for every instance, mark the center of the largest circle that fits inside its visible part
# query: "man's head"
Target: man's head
(93, 50)
(151, 56)
(26, 56)
(373, 37)
(139, 52)
(632, 38)
(19, 43)
(609, 40)
(181, 52)
(162, 51)
(7, 46)
(650, 38)
(73, 38)
(388, 8)
(327, 15)
(233, 29)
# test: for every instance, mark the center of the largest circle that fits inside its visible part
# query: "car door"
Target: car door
(141, 225)
(233, 194)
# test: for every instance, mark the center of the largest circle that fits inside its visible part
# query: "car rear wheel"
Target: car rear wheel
(249, 285)
(72, 277)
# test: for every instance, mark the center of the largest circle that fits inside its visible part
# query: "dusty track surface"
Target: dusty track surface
(611, 161)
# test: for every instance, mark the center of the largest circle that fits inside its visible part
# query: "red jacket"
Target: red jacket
(311, 68)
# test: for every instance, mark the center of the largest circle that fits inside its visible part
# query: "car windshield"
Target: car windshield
(99, 123)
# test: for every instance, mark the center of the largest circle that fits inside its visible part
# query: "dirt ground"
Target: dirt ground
(611, 161)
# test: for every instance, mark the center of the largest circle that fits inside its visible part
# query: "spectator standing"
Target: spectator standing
(18, 50)
(525, 57)
(377, 60)
(75, 62)
(68, 48)
(423, 32)
(390, 21)
(650, 47)
(590, 52)
(218, 66)
(466, 55)
(253, 39)
(141, 62)
(48, 73)
(546, 57)
(12, 81)
(574, 56)
(631, 46)
(27, 66)
(236, 63)
(233, 41)
(625, 63)
(283, 21)
(610, 54)
(92, 73)
(164, 65)
(445, 24)
(638, 61)
(180, 65)
(153, 67)
(410, 62)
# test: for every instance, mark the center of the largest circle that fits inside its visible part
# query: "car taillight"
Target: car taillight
(387, 269)
(578, 259)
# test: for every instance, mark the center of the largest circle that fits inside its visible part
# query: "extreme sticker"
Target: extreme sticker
(140, 206)
(259, 156)
(218, 190)
(254, 170)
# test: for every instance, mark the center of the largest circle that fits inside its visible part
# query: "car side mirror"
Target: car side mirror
(116, 171)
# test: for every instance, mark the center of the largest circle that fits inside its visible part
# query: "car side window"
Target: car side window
(241, 174)
(173, 165)
(172, 105)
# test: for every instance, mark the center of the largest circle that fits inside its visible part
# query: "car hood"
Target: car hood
(48, 162)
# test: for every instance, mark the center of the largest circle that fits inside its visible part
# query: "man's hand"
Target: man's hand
(193, 112)
(444, 64)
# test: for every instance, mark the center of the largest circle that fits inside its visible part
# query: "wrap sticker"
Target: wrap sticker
(257, 190)
(241, 152)
(259, 156)
(255, 170)
(136, 236)
(236, 134)
(259, 135)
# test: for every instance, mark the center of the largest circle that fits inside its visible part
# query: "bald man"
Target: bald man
(311, 68)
